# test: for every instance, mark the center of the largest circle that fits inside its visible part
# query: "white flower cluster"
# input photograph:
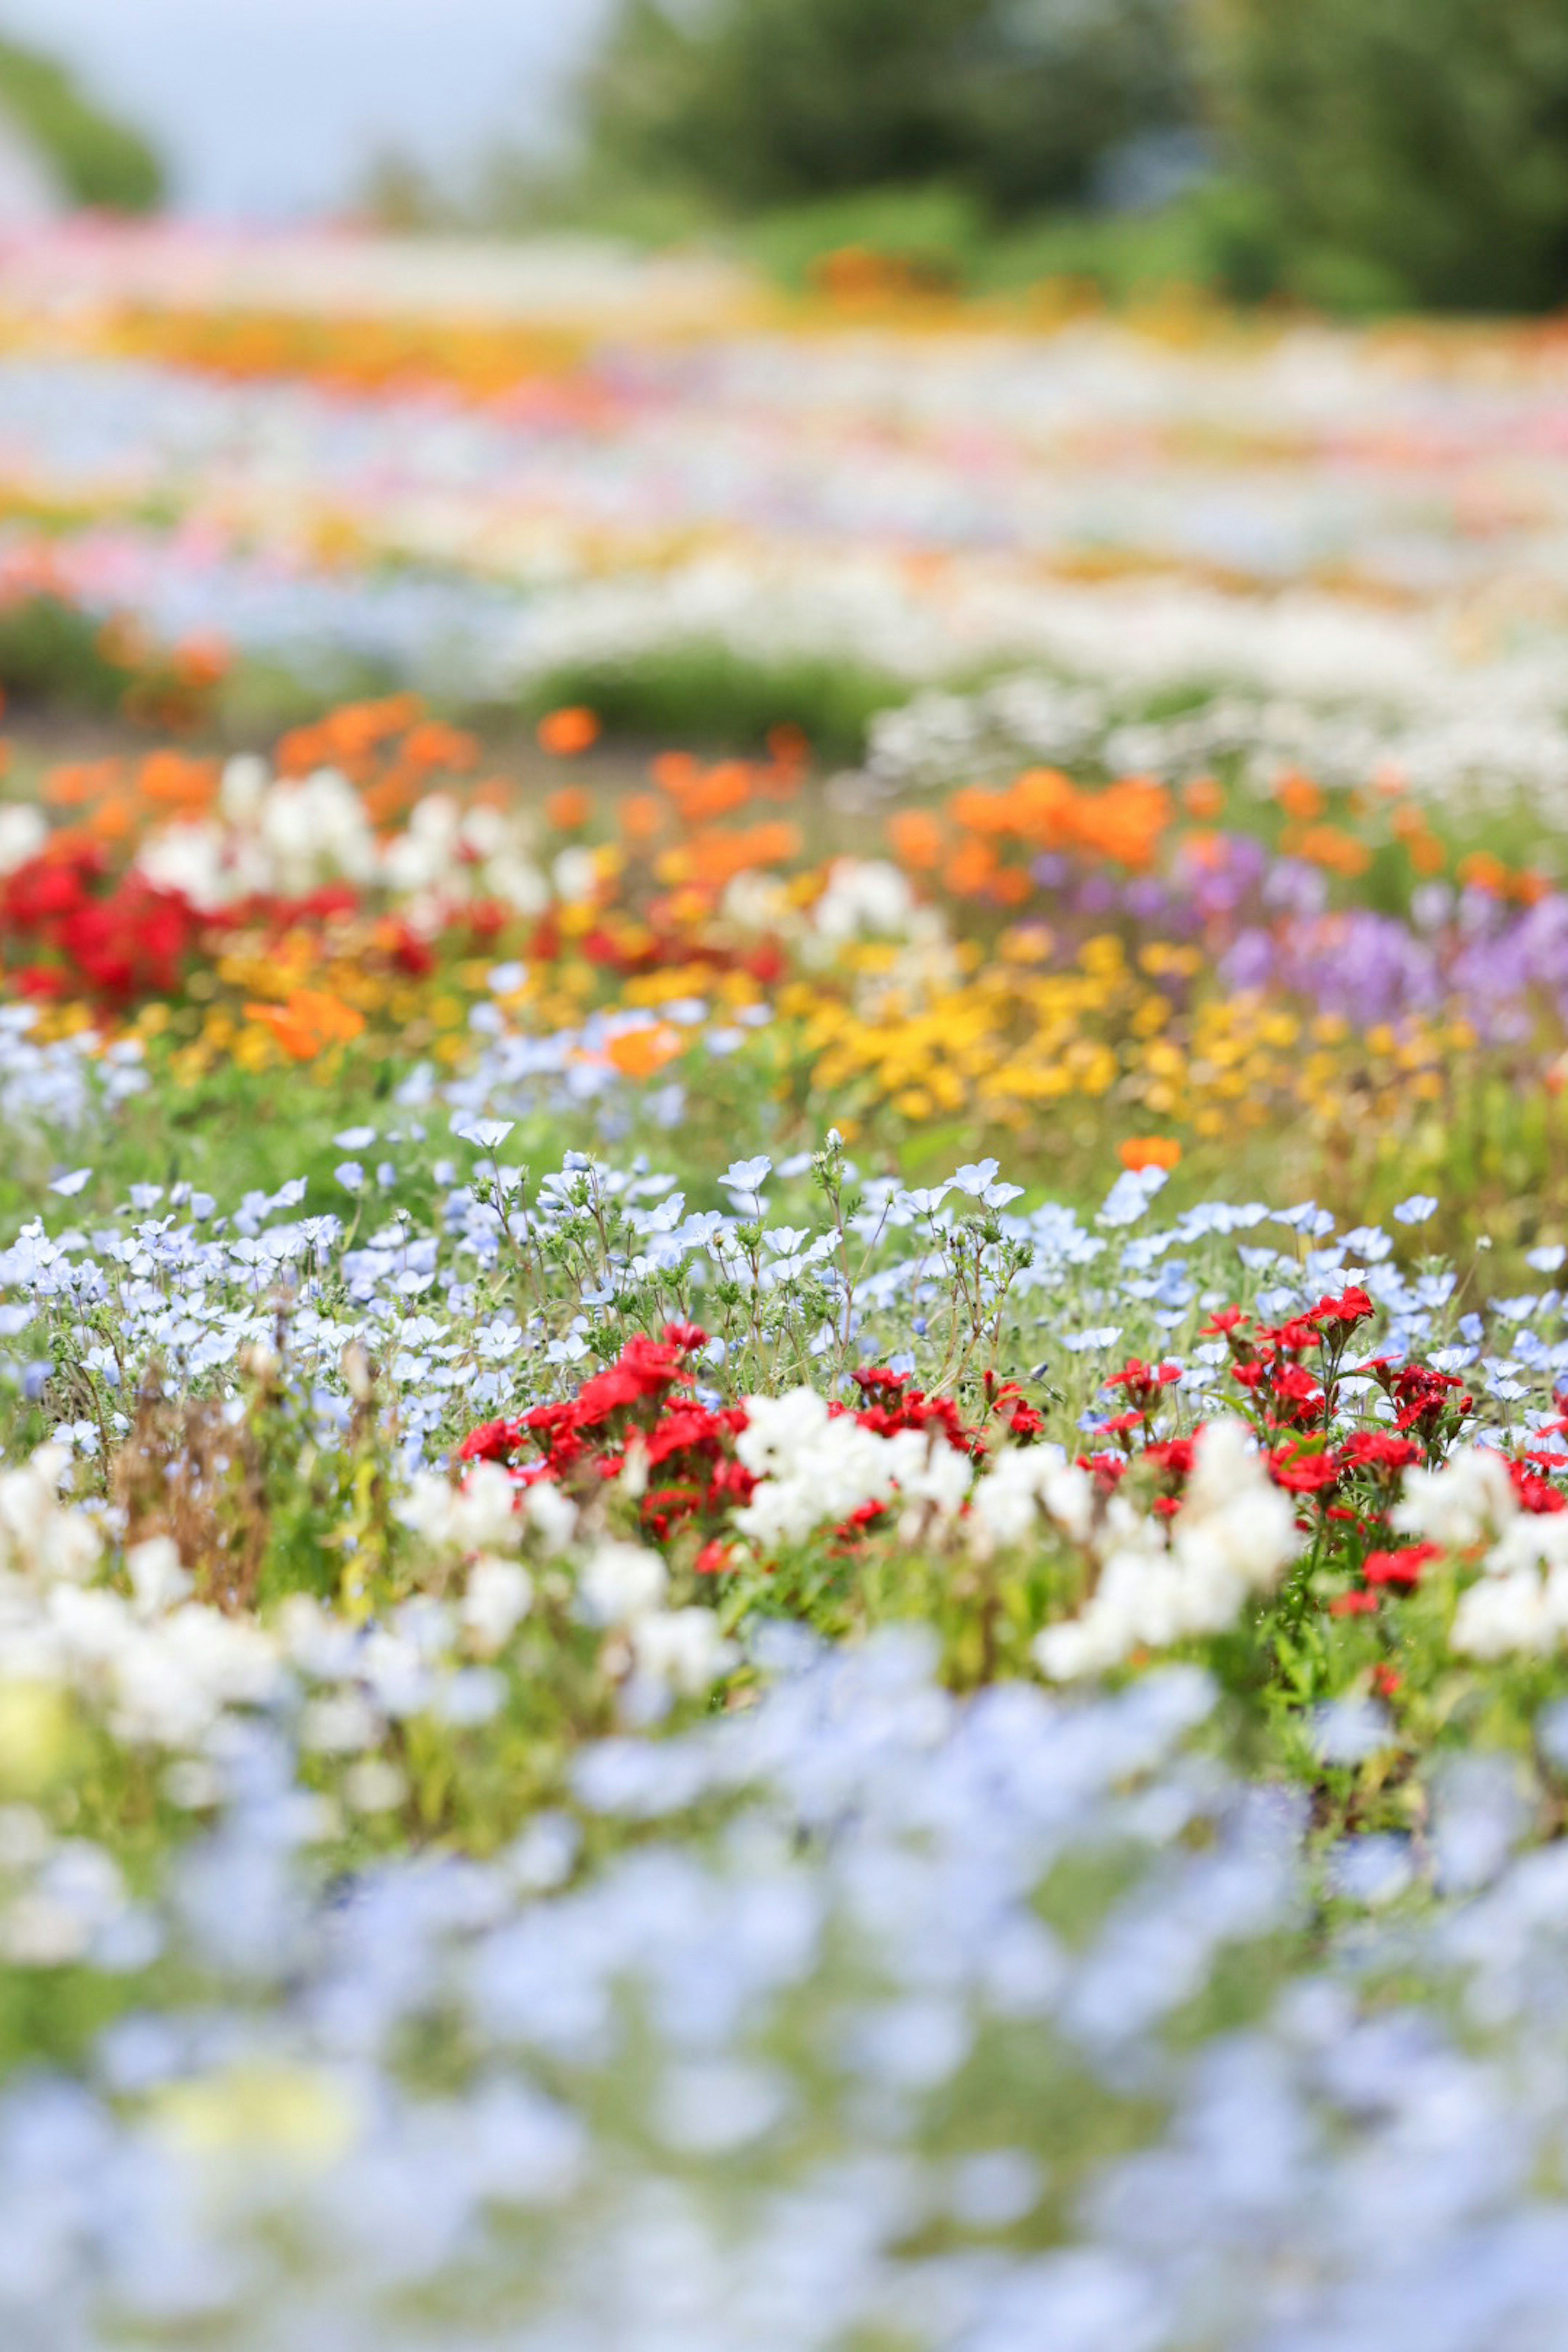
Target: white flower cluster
(1233, 1538)
(40, 1536)
(681, 1650)
(160, 1668)
(480, 1521)
(815, 1468)
(1450, 734)
(621, 1586)
(290, 835)
(1520, 1601)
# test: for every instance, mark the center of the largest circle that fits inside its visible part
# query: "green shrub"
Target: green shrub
(1408, 149)
(937, 233)
(99, 160)
(52, 656)
(762, 102)
(707, 693)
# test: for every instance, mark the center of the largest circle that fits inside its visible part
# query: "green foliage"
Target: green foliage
(51, 651)
(100, 161)
(937, 233)
(707, 693)
(764, 102)
(1413, 149)
(1376, 154)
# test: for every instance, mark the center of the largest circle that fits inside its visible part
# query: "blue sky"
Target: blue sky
(269, 109)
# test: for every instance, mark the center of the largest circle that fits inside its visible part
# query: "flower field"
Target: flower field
(783, 1530)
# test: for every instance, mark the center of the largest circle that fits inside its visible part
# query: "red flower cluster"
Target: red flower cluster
(892, 1404)
(119, 943)
(1430, 1402)
(631, 1412)
(632, 1421)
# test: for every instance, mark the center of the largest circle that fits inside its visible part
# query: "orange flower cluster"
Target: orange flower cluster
(980, 843)
(989, 826)
(121, 798)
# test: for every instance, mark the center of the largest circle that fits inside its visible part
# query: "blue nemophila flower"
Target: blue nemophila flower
(1417, 1210)
(349, 1175)
(923, 1200)
(975, 1176)
(485, 1134)
(1129, 1196)
(70, 1185)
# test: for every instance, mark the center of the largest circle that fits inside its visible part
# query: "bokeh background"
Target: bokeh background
(1354, 153)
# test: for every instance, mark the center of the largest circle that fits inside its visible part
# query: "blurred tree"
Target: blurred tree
(761, 102)
(398, 194)
(1418, 146)
(99, 160)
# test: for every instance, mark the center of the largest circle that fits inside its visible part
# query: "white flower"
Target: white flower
(194, 859)
(575, 874)
(517, 883)
(173, 1679)
(313, 830)
(622, 1582)
(477, 1516)
(23, 833)
(935, 1472)
(499, 1597)
(339, 1723)
(1468, 1497)
(864, 895)
(38, 1535)
(1233, 1538)
(1017, 1485)
(814, 1467)
(425, 854)
(157, 1578)
(243, 782)
(549, 1514)
(682, 1649)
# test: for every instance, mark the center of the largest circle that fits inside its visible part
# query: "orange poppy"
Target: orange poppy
(572, 729)
(1140, 1151)
(308, 1022)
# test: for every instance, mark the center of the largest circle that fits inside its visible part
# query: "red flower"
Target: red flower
(1352, 1604)
(1291, 1339)
(1303, 1474)
(1379, 1449)
(1536, 1494)
(492, 1440)
(1353, 1305)
(1175, 1455)
(1142, 1382)
(1400, 1567)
